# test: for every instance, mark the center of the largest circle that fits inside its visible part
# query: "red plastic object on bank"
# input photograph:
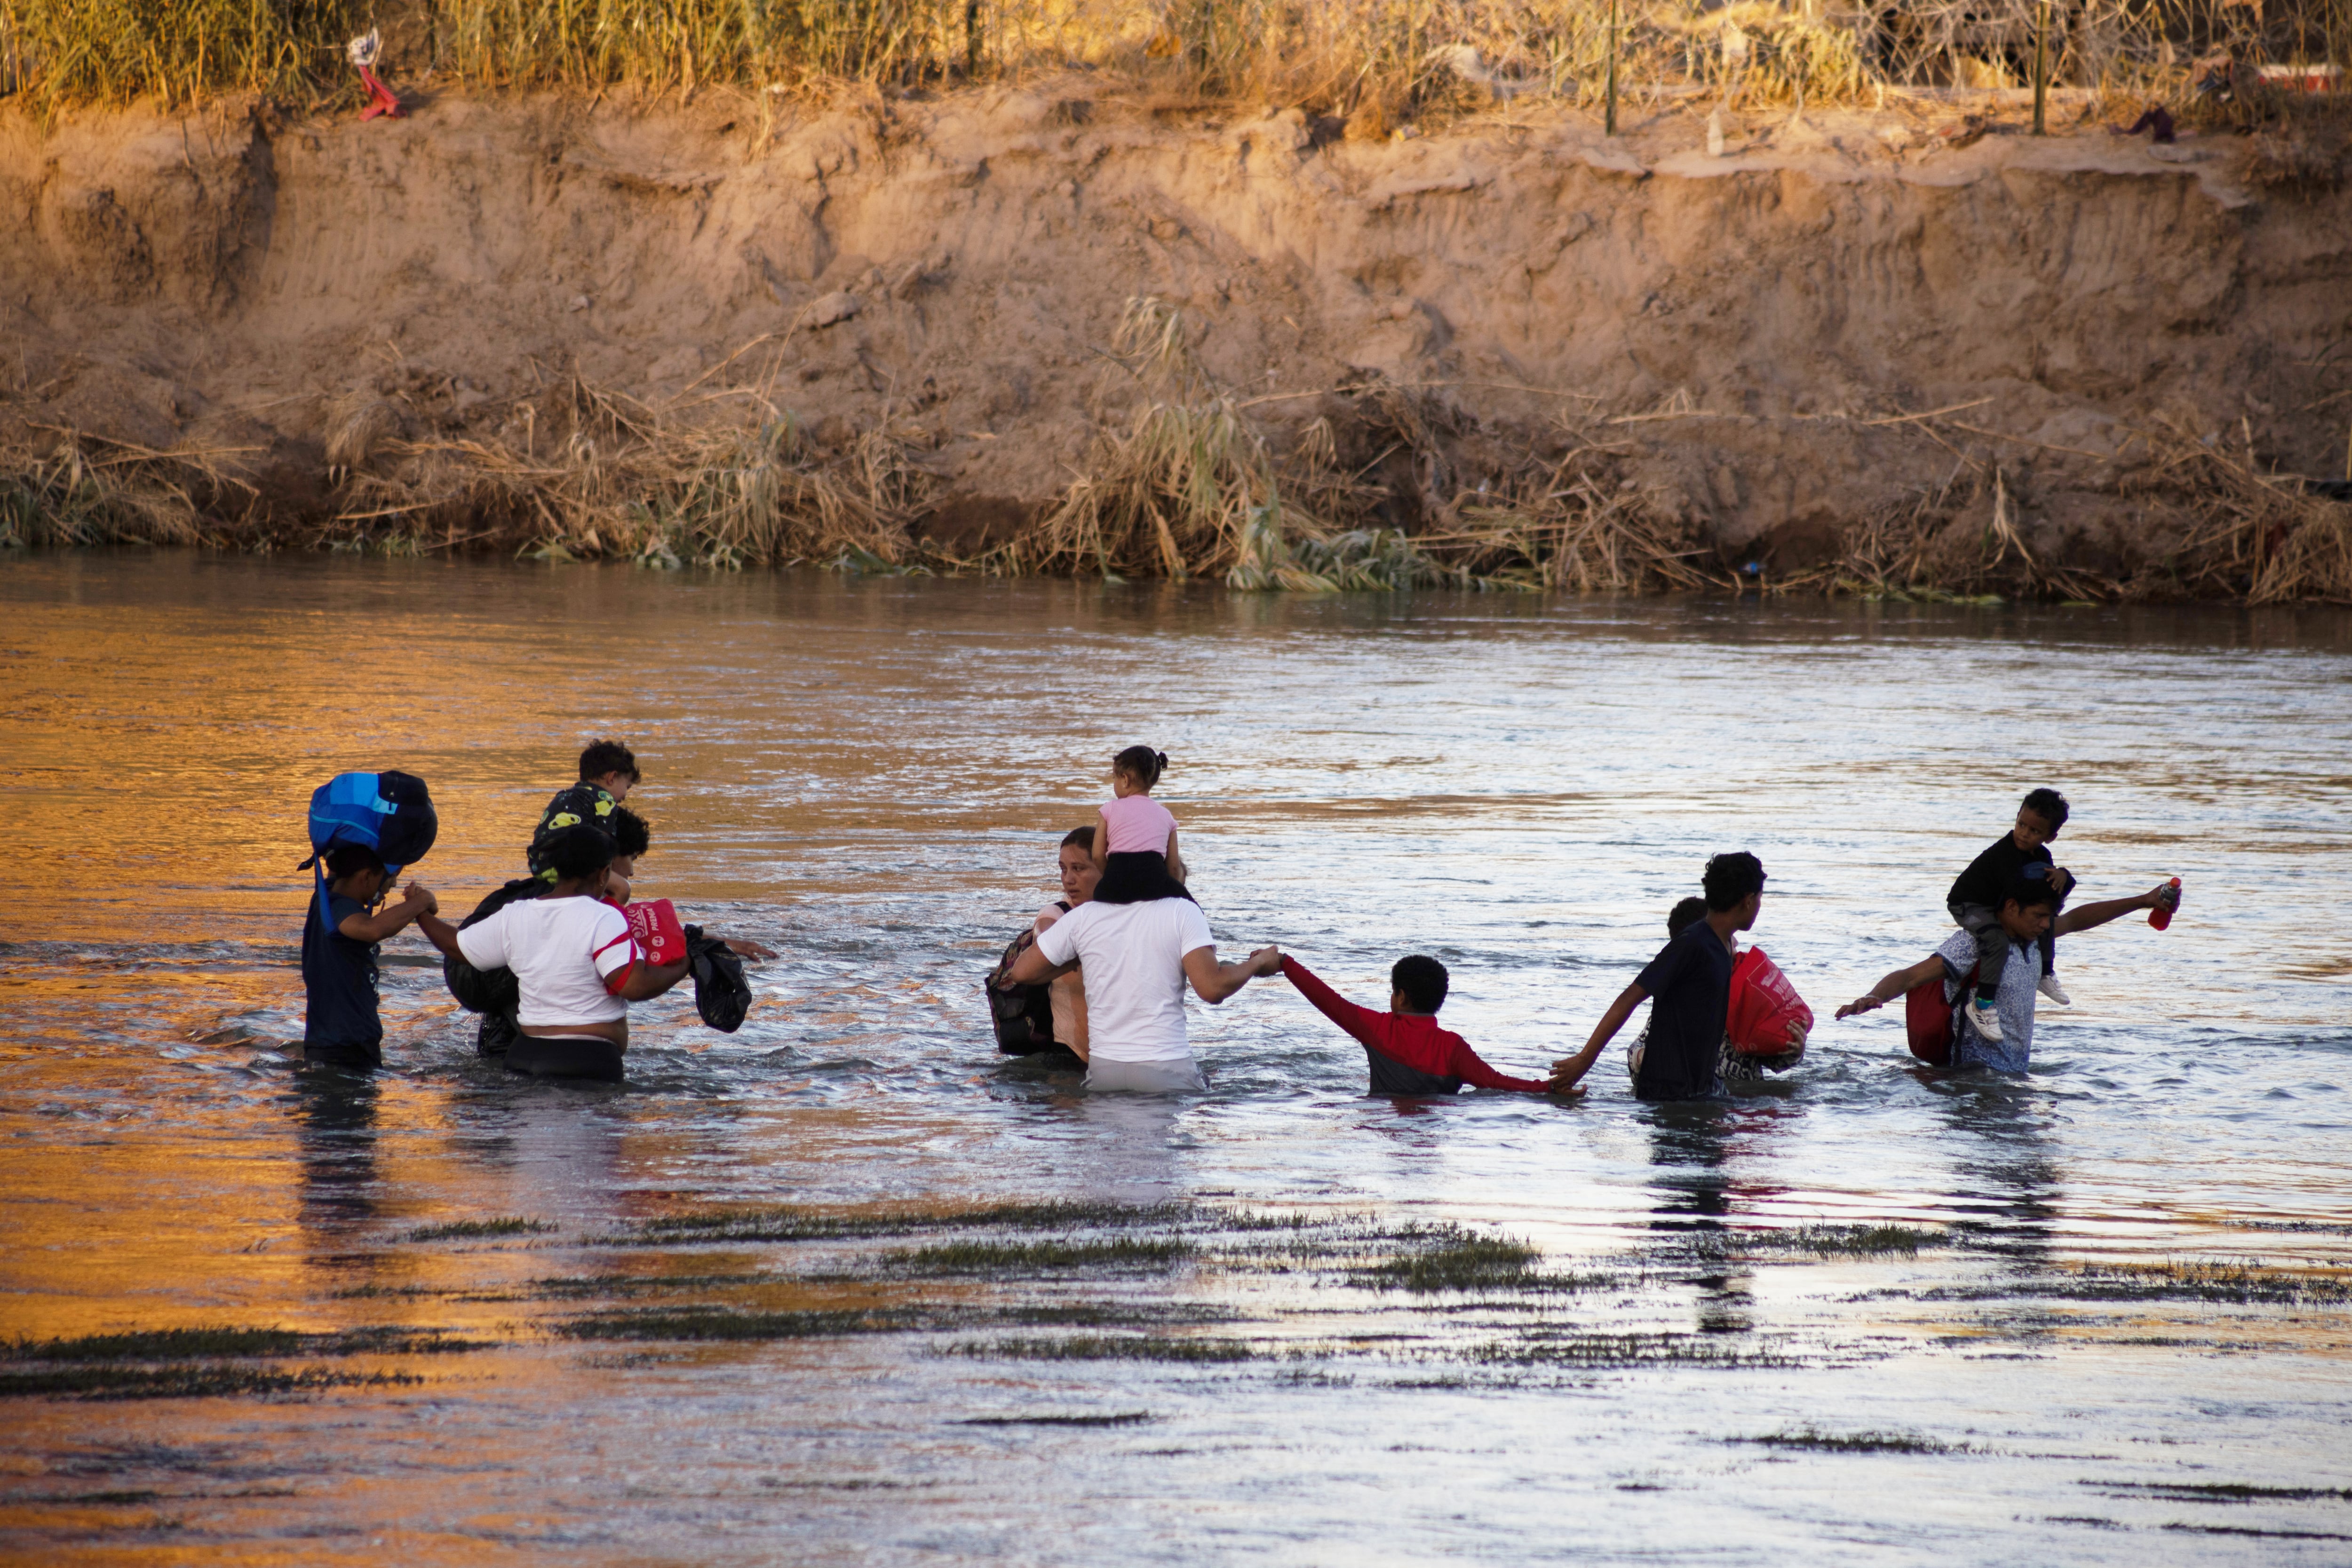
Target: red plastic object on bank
(2161, 917)
(380, 98)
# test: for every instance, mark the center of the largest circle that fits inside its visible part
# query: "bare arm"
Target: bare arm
(2099, 914)
(1568, 1069)
(1100, 850)
(1896, 985)
(440, 933)
(648, 981)
(1034, 968)
(1213, 982)
(416, 900)
(1175, 860)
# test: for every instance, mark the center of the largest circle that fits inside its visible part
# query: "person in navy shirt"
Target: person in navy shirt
(1689, 986)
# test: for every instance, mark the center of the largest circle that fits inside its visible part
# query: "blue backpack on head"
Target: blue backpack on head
(389, 813)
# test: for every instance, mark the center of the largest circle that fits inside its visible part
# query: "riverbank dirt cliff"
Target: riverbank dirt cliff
(1904, 349)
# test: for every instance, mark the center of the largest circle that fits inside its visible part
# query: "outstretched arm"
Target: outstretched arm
(1568, 1069)
(1896, 985)
(440, 933)
(2099, 914)
(1213, 982)
(1355, 1020)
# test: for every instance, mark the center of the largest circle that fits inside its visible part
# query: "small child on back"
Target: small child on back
(340, 1023)
(2020, 854)
(608, 771)
(1135, 837)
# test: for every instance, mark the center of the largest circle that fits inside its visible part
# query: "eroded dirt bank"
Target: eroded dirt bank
(1848, 334)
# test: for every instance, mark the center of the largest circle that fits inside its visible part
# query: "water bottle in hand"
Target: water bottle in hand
(2162, 916)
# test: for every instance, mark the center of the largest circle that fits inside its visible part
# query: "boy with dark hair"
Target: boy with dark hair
(1731, 1065)
(2022, 854)
(340, 1023)
(608, 771)
(1408, 1053)
(2027, 915)
(1691, 978)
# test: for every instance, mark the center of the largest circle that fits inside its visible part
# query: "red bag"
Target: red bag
(1928, 1020)
(1763, 1006)
(656, 927)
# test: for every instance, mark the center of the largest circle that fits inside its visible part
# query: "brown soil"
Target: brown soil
(1845, 319)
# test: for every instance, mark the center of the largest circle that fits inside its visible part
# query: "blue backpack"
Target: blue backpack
(389, 813)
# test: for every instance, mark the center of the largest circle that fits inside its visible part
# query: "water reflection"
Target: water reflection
(335, 1116)
(1499, 782)
(2006, 1180)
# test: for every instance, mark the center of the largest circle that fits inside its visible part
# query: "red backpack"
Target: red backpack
(1928, 1019)
(1763, 1005)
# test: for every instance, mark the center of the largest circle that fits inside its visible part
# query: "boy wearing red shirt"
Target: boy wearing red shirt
(1409, 1053)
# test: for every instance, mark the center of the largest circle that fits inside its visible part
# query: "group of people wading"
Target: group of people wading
(1101, 973)
(552, 959)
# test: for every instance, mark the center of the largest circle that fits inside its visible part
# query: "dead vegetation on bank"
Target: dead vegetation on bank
(1375, 64)
(1186, 484)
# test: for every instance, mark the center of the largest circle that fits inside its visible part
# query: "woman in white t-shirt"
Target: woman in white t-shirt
(574, 961)
(1136, 959)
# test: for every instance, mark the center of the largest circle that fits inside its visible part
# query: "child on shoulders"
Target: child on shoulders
(608, 771)
(2020, 854)
(1135, 836)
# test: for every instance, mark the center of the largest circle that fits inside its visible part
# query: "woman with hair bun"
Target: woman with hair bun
(1135, 836)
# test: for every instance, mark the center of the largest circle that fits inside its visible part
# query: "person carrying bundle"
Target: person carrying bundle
(575, 964)
(1691, 978)
(363, 828)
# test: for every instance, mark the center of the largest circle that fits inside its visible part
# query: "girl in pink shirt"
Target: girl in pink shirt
(1135, 839)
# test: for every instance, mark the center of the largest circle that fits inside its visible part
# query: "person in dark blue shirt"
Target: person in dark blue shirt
(339, 1026)
(1690, 981)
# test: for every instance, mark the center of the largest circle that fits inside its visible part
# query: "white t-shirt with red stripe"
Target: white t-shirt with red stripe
(569, 955)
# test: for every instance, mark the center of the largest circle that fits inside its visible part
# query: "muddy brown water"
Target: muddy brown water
(2123, 1336)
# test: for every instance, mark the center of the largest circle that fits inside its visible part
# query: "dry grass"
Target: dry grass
(1184, 483)
(1380, 64)
(72, 487)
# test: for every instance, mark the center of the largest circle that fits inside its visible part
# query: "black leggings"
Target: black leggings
(583, 1057)
(1137, 877)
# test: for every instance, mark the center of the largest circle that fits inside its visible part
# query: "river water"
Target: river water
(2122, 1337)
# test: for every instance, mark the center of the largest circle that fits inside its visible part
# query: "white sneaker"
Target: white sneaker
(2055, 992)
(1981, 1019)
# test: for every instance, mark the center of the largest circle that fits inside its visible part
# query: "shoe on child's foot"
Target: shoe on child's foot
(2055, 992)
(1983, 1019)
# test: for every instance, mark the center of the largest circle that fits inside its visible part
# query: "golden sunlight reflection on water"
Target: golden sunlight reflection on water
(2122, 1276)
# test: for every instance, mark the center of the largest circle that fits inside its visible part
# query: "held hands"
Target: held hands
(1265, 961)
(420, 899)
(1567, 1070)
